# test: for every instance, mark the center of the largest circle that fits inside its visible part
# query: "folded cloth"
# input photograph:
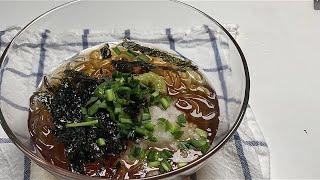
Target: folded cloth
(244, 156)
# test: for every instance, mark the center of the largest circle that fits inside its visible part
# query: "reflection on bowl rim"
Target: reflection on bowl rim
(69, 174)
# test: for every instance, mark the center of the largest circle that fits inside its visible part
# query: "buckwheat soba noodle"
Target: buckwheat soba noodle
(123, 111)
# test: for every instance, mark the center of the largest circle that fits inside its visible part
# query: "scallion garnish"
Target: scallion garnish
(92, 100)
(155, 94)
(198, 143)
(153, 155)
(116, 50)
(166, 154)
(110, 96)
(181, 120)
(149, 126)
(117, 108)
(143, 57)
(146, 116)
(166, 166)
(141, 131)
(131, 54)
(94, 108)
(154, 164)
(152, 138)
(201, 133)
(124, 118)
(101, 142)
(80, 124)
(177, 133)
(138, 152)
(181, 164)
(165, 102)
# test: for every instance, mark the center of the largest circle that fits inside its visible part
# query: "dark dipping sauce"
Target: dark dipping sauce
(190, 93)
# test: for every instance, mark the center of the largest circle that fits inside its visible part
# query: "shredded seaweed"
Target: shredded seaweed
(182, 63)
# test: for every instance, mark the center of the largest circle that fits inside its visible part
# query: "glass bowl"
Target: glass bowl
(60, 33)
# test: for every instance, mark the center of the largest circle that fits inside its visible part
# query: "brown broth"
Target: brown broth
(190, 92)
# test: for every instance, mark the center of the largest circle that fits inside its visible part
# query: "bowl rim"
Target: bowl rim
(57, 170)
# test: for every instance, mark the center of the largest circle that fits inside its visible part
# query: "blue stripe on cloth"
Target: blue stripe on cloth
(172, 42)
(44, 37)
(85, 39)
(14, 105)
(219, 62)
(27, 168)
(254, 143)
(5, 141)
(242, 157)
(22, 74)
(234, 100)
(17, 106)
(127, 34)
(224, 67)
(238, 144)
(170, 38)
(1, 33)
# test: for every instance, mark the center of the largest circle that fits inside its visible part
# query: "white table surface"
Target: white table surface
(281, 42)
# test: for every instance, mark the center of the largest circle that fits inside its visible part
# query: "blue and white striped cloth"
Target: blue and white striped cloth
(245, 156)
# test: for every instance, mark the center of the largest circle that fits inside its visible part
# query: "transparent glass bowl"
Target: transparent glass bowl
(169, 25)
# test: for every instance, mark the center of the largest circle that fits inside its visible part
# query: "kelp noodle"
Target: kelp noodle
(123, 111)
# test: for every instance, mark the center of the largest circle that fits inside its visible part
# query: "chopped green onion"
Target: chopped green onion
(88, 123)
(153, 155)
(146, 116)
(166, 124)
(111, 113)
(181, 164)
(155, 94)
(141, 131)
(177, 133)
(121, 80)
(121, 101)
(116, 50)
(149, 126)
(152, 138)
(117, 108)
(183, 145)
(166, 166)
(103, 105)
(154, 164)
(165, 103)
(110, 95)
(201, 133)
(181, 120)
(83, 110)
(138, 152)
(169, 126)
(99, 92)
(101, 142)
(205, 148)
(89, 119)
(92, 100)
(198, 143)
(124, 118)
(143, 57)
(94, 108)
(131, 54)
(166, 154)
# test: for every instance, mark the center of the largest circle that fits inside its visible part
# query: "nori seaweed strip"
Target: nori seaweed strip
(183, 63)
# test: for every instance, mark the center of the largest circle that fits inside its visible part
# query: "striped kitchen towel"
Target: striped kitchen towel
(244, 156)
